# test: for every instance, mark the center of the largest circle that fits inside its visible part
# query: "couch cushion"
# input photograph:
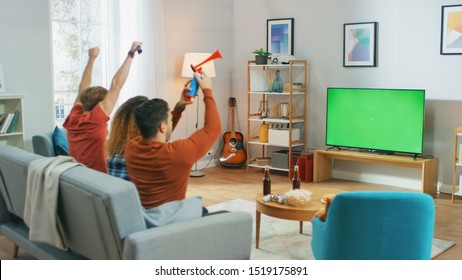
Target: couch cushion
(174, 212)
(98, 211)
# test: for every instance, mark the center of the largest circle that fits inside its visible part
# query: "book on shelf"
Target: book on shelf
(2, 119)
(13, 122)
(6, 123)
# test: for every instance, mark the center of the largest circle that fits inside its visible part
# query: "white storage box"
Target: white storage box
(281, 136)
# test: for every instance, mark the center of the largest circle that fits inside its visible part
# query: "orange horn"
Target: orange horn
(214, 55)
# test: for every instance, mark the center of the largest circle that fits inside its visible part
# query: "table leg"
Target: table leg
(257, 229)
(301, 227)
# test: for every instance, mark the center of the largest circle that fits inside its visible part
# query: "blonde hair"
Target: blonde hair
(91, 96)
(123, 127)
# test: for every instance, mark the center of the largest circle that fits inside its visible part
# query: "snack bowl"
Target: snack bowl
(298, 197)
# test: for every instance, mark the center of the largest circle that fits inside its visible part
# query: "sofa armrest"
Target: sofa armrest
(218, 236)
(43, 144)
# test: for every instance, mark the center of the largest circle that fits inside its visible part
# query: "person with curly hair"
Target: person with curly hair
(123, 129)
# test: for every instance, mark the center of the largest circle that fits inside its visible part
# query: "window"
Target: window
(77, 25)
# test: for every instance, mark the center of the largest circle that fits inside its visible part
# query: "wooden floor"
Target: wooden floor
(222, 184)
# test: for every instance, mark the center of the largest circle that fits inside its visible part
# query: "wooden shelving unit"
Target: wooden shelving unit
(9, 103)
(295, 77)
(457, 162)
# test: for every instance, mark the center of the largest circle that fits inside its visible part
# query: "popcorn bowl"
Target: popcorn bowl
(298, 198)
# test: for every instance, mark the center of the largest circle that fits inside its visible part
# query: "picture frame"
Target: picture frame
(360, 44)
(451, 30)
(280, 36)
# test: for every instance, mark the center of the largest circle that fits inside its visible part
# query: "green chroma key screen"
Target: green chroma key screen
(389, 120)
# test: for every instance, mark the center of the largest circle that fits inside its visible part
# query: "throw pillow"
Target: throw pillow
(174, 212)
(60, 142)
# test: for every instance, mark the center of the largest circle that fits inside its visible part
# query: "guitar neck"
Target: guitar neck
(233, 132)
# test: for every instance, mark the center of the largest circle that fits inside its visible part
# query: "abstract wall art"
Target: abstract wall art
(360, 44)
(451, 29)
(280, 36)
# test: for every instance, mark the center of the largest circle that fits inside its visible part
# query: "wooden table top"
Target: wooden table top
(285, 211)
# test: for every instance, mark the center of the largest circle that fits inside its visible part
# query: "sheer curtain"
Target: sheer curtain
(141, 20)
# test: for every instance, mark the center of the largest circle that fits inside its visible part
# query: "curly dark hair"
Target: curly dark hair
(123, 128)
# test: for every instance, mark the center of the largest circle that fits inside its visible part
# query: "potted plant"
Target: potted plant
(261, 56)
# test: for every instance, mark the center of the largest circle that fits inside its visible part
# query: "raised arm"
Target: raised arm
(87, 72)
(185, 100)
(207, 135)
(119, 80)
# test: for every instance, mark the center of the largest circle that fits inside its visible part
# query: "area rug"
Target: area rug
(280, 240)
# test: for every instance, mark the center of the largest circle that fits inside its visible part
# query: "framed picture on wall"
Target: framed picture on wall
(280, 36)
(451, 29)
(360, 44)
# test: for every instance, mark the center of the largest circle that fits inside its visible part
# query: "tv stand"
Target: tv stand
(322, 169)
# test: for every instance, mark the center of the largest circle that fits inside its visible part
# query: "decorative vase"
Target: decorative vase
(263, 136)
(261, 59)
(278, 84)
(263, 110)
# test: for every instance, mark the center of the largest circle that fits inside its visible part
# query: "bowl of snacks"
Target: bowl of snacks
(298, 197)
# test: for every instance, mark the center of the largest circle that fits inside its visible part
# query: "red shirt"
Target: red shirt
(160, 170)
(86, 134)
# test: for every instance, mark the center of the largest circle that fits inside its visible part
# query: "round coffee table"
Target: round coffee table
(287, 212)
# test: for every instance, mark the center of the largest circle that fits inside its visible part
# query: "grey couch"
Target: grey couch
(102, 218)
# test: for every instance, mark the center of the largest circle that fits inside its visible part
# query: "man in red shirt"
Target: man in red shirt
(87, 122)
(160, 169)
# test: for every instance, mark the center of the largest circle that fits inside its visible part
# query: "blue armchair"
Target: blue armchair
(375, 226)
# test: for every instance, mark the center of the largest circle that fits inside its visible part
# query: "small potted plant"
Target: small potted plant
(261, 56)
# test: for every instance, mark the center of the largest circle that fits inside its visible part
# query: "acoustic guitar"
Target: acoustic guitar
(233, 153)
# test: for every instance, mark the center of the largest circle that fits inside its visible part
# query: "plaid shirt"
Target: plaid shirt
(116, 166)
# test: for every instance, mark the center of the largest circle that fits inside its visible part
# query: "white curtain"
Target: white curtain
(141, 20)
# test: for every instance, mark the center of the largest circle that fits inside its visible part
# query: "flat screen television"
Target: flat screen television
(379, 120)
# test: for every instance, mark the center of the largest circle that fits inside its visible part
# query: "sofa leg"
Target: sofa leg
(15, 250)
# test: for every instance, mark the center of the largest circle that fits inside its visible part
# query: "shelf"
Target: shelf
(298, 91)
(274, 120)
(12, 96)
(11, 134)
(259, 77)
(11, 103)
(278, 66)
(273, 145)
(457, 160)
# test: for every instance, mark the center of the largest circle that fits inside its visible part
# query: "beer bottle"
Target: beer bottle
(296, 179)
(266, 182)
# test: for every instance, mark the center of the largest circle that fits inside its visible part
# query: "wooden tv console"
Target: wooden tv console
(322, 169)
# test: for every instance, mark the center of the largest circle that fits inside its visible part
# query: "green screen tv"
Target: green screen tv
(377, 120)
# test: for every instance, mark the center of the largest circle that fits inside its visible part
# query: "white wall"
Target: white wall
(198, 26)
(408, 57)
(25, 44)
